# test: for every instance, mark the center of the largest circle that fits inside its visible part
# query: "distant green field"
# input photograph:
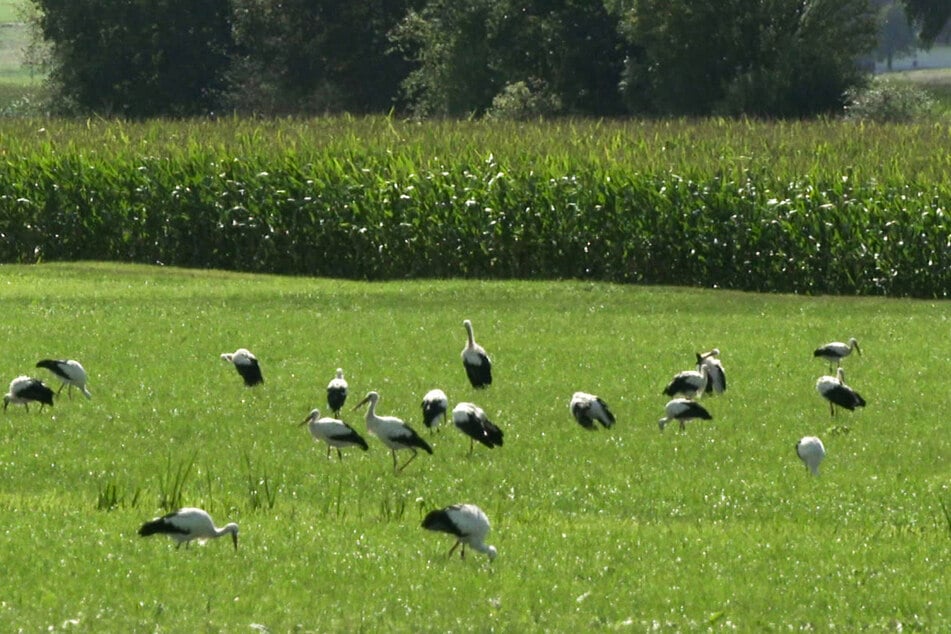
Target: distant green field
(14, 38)
(717, 527)
(9, 11)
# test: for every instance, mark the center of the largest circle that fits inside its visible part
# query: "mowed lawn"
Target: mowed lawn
(630, 529)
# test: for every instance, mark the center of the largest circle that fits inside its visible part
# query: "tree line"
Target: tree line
(505, 58)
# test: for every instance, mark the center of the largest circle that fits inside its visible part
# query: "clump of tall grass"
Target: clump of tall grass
(262, 492)
(109, 496)
(171, 484)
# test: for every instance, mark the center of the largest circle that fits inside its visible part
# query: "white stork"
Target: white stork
(24, 390)
(246, 364)
(392, 432)
(476, 361)
(811, 451)
(683, 410)
(69, 372)
(337, 393)
(587, 408)
(187, 524)
(334, 432)
(435, 405)
(716, 377)
(836, 351)
(690, 383)
(473, 422)
(834, 390)
(467, 523)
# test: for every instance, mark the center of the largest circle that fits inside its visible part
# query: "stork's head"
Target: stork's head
(314, 415)
(233, 529)
(371, 397)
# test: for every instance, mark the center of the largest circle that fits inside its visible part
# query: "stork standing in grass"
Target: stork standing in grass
(811, 451)
(473, 422)
(392, 432)
(690, 383)
(834, 390)
(69, 372)
(467, 522)
(337, 393)
(683, 410)
(716, 376)
(334, 432)
(836, 351)
(476, 361)
(25, 390)
(435, 405)
(187, 524)
(588, 408)
(246, 364)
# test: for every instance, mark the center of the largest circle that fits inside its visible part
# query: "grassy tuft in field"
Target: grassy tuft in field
(719, 526)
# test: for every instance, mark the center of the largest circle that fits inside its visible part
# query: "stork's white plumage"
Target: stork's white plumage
(683, 410)
(69, 372)
(187, 524)
(836, 351)
(476, 361)
(588, 408)
(435, 405)
(716, 376)
(834, 390)
(334, 432)
(811, 451)
(337, 393)
(474, 423)
(690, 383)
(25, 390)
(467, 522)
(392, 431)
(246, 364)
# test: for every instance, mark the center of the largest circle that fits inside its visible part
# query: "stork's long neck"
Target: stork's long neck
(470, 336)
(225, 530)
(371, 411)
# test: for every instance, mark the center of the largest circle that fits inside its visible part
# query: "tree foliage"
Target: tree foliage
(930, 15)
(507, 58)
(318, 55)
(773, 57)
(467, 54)
(138, 58)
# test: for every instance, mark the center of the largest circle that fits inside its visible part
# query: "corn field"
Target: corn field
(798, 207)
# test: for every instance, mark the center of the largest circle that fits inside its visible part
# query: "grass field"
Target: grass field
(718, 526)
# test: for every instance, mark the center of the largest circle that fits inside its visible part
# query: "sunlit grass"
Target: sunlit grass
(717, 525)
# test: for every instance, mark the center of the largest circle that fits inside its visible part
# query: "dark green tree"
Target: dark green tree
(895, 35)
(931, 16)
(786, 58)
(318, 55)
(137, 58)
(467, 54)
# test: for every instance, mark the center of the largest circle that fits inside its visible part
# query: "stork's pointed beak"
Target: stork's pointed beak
(304, 422)
(857, 349)
(234, 538)
(361, 403)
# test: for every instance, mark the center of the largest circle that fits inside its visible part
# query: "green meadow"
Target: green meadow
(716, 527)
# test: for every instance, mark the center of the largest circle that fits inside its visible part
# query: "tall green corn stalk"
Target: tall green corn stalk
(821, 207)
